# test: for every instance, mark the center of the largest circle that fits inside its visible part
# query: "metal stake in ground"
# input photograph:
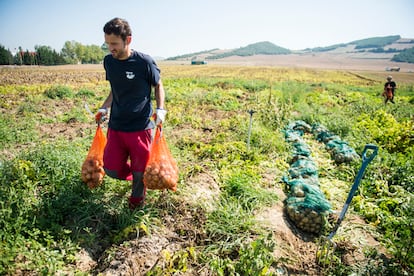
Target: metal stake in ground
(251, 112)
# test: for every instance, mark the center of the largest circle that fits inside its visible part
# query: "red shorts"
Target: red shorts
(127, 152)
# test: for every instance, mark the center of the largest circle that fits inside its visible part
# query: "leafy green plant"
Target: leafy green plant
(176, 262)
(387, 131)
(244, 186)
(59, 92)
(85, 93)
(12, 132)
(47, 212)
(252, 258)
(229, 222)
(399, 232)
(256, 258)
(23, 195)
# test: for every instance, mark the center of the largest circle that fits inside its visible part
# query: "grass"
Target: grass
(49, 215)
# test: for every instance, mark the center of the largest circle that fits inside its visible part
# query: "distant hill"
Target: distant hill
(406, 55)
(373, 42)
(393, 47)
(192, 55)
(259, 48)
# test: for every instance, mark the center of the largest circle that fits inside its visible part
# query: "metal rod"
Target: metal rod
(250, 128)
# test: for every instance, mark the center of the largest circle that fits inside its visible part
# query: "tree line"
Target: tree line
(72, 53)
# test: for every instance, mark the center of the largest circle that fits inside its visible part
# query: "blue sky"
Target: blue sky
(165, 28)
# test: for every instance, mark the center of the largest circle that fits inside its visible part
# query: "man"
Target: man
(389, 90)
(132, 76)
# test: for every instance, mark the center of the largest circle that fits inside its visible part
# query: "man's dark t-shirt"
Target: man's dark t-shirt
(131, 83)
(390, 84)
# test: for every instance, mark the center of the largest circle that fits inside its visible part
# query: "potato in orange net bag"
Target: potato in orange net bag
(161, 171)
(92, 168)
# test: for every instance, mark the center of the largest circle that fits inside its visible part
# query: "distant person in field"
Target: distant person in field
(389, 90)
(132, 76)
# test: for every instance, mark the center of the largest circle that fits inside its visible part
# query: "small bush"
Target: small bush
(384, 128)
(13, 132)
(85, 93)
(59, 92)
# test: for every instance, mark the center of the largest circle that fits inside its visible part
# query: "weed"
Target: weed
(244, 186)
(85, 93)
(256, 258)
(59, 92)
(15, 133)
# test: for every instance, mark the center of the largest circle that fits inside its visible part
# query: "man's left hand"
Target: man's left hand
(160, 116)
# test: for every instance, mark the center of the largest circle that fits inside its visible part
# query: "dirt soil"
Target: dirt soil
(320, 61)
(367, 63)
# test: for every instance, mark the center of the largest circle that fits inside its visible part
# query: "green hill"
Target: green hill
(327, 48)
(191, 55)
(406, 55)
(259, 48)
(375, 42)
(372, 42)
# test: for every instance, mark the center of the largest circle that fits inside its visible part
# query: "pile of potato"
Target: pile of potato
(162, 174)
(306, 219)
(92, 172)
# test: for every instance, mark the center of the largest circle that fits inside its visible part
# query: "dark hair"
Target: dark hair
(118, 26)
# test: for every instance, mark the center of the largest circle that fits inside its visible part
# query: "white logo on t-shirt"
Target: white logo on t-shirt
(130, 75)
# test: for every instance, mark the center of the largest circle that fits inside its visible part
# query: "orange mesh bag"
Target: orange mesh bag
(92, 168)
(161, 171)
(387, 93)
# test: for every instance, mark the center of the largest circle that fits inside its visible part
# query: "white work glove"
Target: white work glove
(100, 116)
(160, 116)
